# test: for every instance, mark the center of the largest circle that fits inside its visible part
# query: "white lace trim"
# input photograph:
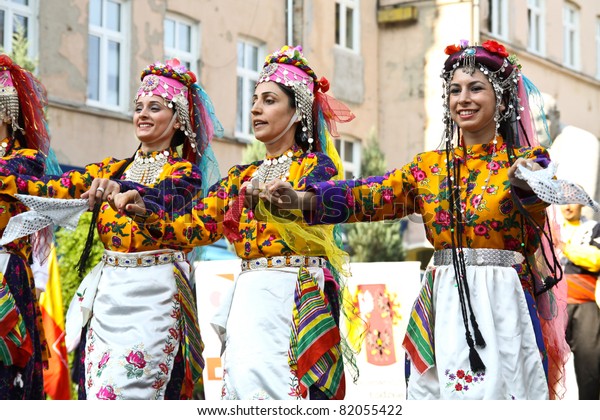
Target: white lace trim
(555, 191)
(43, 212)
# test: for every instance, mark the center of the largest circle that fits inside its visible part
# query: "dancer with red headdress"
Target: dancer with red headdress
(24, 147)
(490, 319)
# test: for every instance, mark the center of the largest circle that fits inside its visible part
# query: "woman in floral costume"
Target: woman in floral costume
(481, 327)
(282, 295)
(134, 318)
(23, 149)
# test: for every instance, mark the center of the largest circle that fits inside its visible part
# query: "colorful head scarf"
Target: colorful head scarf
(195, 113)
(521, 99)
(317, 111)
(22, 103)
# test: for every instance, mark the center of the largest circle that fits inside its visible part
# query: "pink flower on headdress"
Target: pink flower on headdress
(464, 43)
(494, 47)
(176, 65)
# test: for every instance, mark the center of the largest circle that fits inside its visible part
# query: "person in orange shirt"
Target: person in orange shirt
(580, 246)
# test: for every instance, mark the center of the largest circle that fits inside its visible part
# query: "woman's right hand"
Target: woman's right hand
(129, 202)
(281, 195)
(102, 189)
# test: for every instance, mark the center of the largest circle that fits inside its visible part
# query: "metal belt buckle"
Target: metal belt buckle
(278, 262)
(147, 260)
(296, 261)
(127, 262)
(258, 263)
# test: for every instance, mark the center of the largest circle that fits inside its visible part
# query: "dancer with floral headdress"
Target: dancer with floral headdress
(280, 326)
(24, 149)
(488, 322)
(134, 315)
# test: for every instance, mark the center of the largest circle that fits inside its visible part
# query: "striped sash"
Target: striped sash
(315, 354)
(16, 347)
(191, 341)
(418, 341)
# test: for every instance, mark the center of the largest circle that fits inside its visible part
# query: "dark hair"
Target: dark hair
(178, 139)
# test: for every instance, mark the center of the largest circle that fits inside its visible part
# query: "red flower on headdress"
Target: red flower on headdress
(5, 61)
(192, 75)
(451, 49)
(323, 84)
(495, 47)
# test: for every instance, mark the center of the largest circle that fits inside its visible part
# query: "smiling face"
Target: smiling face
(271, 113)
(154, 123)
(472, 104)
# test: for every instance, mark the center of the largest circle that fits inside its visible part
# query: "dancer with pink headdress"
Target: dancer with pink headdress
(134, 316)
(280, 327)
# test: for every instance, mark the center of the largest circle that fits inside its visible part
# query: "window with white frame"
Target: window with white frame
(18, 15)
(498, 18)
(250, 56)
(182, 41)
(347, 18)
(537, 21)
(108, 70)
(571, 35)
(350, 154)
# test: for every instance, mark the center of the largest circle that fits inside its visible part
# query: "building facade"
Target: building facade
(382, 57)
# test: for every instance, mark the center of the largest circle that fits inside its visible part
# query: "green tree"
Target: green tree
(20, 50)
(375, 241)
(253, 152)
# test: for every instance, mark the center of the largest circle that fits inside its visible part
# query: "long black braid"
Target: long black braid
(82, 265)
(458, 261)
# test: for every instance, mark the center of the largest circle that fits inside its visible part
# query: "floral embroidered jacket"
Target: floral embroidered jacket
(18, 303)
(176, 187)
(22, 162)
(492, 218)
(205, 223)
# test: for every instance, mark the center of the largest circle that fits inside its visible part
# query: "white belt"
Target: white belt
(480, 256)
(143, 260)
(283, 261)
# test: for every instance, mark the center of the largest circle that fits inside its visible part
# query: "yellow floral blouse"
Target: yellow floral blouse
(176, 187)
(205, 223)
(491, 217)
(21, 162)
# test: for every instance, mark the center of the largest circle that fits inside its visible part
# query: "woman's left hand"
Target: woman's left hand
(530, 164)
(102, 189)
(253, 188)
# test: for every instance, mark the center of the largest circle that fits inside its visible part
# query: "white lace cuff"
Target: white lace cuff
(555, 191)
(43, 212)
